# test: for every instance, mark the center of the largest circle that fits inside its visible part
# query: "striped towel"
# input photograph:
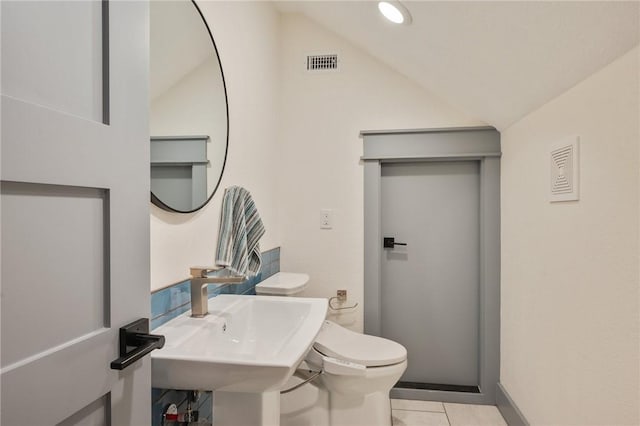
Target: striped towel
(240, 232)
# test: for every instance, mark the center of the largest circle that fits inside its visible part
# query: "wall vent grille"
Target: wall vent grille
(564, 171)
(327, 62)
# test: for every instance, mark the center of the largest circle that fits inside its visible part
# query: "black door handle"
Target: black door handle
(136, 342)
(390, 242)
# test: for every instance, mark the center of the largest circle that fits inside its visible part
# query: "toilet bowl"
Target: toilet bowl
(358, 371)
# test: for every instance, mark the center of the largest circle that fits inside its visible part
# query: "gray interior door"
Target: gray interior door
(75, 211)
(430, 287)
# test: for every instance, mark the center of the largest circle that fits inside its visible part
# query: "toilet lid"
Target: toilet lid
(371, 351)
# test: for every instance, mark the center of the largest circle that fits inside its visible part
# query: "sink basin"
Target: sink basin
(245, 344)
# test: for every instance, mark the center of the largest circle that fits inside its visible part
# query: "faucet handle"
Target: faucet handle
(202, 271)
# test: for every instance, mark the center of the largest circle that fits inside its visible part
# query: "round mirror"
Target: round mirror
(188, 115)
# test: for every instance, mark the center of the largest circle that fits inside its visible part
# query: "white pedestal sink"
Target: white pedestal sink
(244, 350)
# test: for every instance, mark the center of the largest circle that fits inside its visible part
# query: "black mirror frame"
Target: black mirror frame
(155, 200)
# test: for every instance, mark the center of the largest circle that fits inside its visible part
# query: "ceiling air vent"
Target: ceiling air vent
(319, 63)
(564, 170)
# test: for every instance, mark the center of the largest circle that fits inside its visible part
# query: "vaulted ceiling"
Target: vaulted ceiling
(497, 61)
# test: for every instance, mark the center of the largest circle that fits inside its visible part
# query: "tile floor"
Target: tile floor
(428, 413)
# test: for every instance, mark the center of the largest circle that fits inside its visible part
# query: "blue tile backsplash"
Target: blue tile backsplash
(170, 302)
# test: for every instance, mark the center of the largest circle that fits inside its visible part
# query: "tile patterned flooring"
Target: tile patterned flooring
(428, 413)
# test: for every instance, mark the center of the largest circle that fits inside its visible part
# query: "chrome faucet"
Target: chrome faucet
(199, 281)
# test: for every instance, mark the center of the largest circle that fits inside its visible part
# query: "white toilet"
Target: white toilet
(358, 371)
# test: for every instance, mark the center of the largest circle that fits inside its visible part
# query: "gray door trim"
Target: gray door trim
(474, 144)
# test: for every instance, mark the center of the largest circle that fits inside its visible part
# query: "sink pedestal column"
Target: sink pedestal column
(239, 408)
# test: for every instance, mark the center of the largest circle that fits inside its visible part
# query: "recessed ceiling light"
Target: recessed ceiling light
(395, 12)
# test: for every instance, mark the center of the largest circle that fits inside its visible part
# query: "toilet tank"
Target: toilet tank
(283, 284)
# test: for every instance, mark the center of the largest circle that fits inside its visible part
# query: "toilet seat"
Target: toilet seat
(340, 343)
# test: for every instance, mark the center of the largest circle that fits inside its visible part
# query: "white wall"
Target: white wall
(246, 35)
(570, 287)
(322, 115)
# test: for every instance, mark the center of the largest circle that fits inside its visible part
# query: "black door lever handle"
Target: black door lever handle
(136, 342)
(390, 242)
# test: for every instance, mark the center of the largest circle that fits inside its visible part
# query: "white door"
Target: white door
(430, 286)
(75, 200)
